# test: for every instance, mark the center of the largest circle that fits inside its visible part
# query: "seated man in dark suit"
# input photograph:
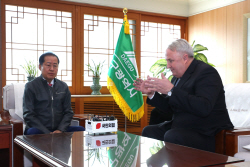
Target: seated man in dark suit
(196, 97)
(47, 101)
(157, 116)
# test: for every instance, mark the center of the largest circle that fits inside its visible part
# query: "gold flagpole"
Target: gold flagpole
(126, 24)
(126, 31)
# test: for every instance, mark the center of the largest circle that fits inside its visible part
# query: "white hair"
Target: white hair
(182, 46)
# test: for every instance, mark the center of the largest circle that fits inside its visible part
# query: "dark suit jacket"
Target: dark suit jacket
(197, 102)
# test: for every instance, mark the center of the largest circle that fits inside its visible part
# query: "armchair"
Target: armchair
(238, 105)
(13, 103)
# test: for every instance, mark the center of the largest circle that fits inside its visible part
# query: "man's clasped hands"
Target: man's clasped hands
(152, 84)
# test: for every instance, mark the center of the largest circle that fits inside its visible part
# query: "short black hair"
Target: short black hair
(41, 58)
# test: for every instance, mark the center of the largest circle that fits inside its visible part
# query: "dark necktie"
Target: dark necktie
(177, 81)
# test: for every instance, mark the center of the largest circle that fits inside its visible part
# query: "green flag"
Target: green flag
(121, 75)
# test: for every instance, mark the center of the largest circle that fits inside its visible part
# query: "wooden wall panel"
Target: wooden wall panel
(209, 30)
(221, 30)
(235, 40)
(215, 33)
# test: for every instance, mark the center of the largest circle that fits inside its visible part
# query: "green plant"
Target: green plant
(156, 147)
(96, 69)
(160, 66)
(96, 154)
(200, 56)
(30, 68)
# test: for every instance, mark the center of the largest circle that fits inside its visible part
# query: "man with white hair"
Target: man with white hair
(195, 96)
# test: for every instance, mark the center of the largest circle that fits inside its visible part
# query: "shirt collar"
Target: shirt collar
(52, 82)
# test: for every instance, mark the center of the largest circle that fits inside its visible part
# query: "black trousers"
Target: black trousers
(185, 137)
(157, 116)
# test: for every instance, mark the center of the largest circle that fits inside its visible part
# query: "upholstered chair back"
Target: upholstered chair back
(238, 104)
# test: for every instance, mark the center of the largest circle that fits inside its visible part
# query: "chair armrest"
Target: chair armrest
(242, 128)
(17, 129)
(231, 140)
(219, 142)
(17, 151)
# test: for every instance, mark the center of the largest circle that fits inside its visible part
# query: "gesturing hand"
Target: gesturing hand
(140, 86)
(159, 85)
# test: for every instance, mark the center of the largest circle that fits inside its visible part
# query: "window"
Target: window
(32, 31)
(100, 37)
(155, 38)
(78, 34)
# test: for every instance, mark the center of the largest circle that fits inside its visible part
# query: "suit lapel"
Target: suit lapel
(188, 73)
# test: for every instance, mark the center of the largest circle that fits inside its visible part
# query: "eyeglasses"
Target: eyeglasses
(49, 66)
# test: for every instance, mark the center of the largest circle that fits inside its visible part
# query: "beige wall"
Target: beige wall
(221, 31)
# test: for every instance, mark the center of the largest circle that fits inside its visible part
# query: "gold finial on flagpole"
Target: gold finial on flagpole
(125, 11)
(126, 24)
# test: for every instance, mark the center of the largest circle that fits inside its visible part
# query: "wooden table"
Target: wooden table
(75, 149)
